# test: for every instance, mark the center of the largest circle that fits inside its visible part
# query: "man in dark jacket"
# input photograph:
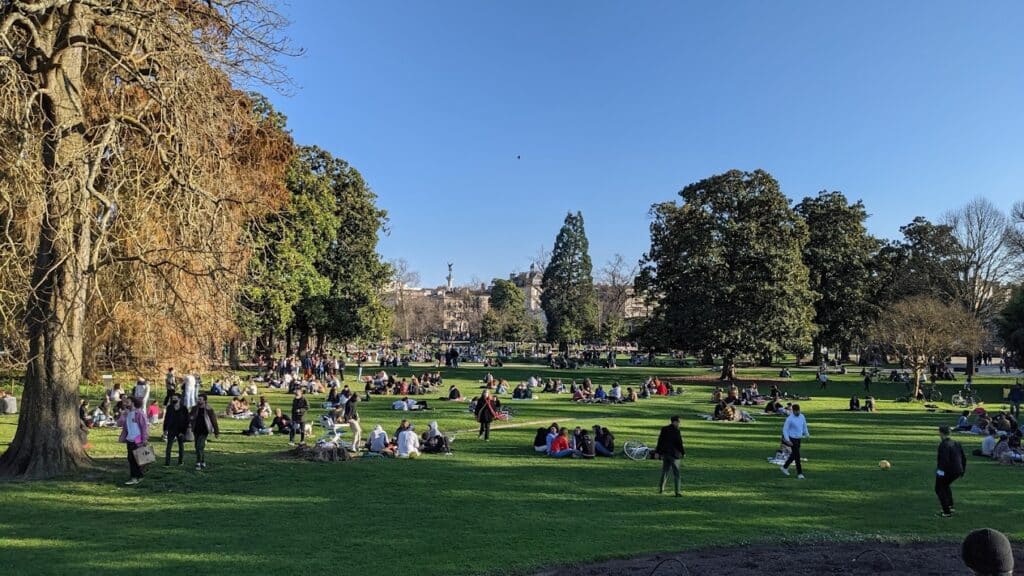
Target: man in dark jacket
(952, 464)
(176, 422)
(670, 449)
(299, 408)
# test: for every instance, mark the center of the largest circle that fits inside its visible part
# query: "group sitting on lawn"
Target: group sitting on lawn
(559, 442)
(406, 443)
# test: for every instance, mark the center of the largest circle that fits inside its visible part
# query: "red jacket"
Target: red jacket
(559, 444)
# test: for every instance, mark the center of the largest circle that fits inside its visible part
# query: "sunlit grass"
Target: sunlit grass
(497, 507)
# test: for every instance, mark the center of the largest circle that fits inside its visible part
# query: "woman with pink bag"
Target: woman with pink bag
(135, 433)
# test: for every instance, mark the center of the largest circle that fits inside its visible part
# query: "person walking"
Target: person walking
(793, 431)
(1016, 396)
(176, 423)
(203, 421)
(952, 464)
(867, 382)
(190, 391)
(485, 414)
(300, 405)
(671, 450)
(134, 433)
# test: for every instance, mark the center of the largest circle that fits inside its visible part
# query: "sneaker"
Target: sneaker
(132, 482)
(291, 443)
(944, 515)
(800, 476)
(784, 470)
(199, 466)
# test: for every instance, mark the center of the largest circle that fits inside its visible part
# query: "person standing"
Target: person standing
(793, 431)
(141, 391)
(204, 421)
(952, 464)
(485, 414)
(134, 433)
(300, 405)
(867, 382)
(176, 422)
(190, 390)
(170, 385)
(671, 450)
(1016, 396)
(351, 415)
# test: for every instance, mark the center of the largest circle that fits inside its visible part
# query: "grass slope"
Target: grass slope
(497, 508)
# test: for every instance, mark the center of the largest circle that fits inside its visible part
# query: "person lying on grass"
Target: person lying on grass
(775, 408)
(728, 413)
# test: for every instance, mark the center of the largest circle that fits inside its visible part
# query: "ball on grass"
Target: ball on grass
(884, 465)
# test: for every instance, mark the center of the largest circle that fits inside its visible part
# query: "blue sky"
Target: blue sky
(913, 107)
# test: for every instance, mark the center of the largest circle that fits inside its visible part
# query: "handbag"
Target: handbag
(144, 455)
(189, 435)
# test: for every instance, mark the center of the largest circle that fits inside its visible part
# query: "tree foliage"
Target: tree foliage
(568, 299)
(1010, 323)
(132, 167)
(507, 318)
(838, 256)
(725, 269)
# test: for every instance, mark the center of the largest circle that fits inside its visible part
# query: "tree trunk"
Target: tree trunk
(816, 357)
(288, 342)
(50, 439)
(970, 365)
(233, 360)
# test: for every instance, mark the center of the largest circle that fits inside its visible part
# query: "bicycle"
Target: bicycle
(636, 450)
(965, 398)
(931, 393)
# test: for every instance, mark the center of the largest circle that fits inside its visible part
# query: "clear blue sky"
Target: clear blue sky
(913, 107)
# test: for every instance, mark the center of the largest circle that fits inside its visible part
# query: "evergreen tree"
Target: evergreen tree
(1010, 324)
(838, 255)
(725, 270)
(568, 299)
(507, 318)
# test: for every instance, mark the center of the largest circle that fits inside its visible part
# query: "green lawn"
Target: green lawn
(497, 508)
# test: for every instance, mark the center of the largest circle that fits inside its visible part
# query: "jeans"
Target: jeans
(299, 427)
(670, 464)
(794, 456)
(601, 449)
(133, 466)
(944, 491)
(180, 438)
(563, 453)
(201, 448)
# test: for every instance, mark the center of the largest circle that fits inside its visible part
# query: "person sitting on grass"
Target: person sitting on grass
(869, 404)
(615, 393)
(604, 441)
(264, 409)
(380, 443)
(560, 445)
(333, 398)
(408, 443)
(988, 444)
(540, 441)
(552, 434)
(434, 442)
(599, 394)
(257, 426)
(784, 373)
(217, 389)
(733, 396)
(854, 403)
(453, 393)
(234, 391)
(963, 424)
(281, 422)
(631, 395)
(579, 395)
(585, 445)
(660, 387)
(83, 414)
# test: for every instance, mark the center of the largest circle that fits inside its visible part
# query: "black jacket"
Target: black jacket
(204, 421)
(670, 443)
(951, 458)
(176, 421)
(299, 408)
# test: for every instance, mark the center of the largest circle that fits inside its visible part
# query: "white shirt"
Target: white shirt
(408, 443)
(795, 427)
(615, 392)
(378, 440)
(988, 444)
(399, 405)
(411, 404)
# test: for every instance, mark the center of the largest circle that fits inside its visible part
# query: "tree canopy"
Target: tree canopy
(725, 269)
(568, 299)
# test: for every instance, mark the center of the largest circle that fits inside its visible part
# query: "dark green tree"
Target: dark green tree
(725, 270)
(507, 318)
(287, 246)
(923, 263)
(838, 257)
(353, 308)
(568, 299)
(1010, 323)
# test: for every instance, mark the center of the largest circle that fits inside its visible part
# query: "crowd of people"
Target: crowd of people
(560, 442)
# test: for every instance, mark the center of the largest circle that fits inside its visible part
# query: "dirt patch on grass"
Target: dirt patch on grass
(937, 559)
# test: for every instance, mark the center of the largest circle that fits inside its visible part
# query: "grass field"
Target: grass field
(497, 507)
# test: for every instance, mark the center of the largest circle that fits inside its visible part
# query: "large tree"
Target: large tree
(132, 156)
(923, 329)
(1010, 323)
(614, 289)
(923, 262)
(725, 269)
(507, 318)
(353, 308)
(568, 299)
(838, 255)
